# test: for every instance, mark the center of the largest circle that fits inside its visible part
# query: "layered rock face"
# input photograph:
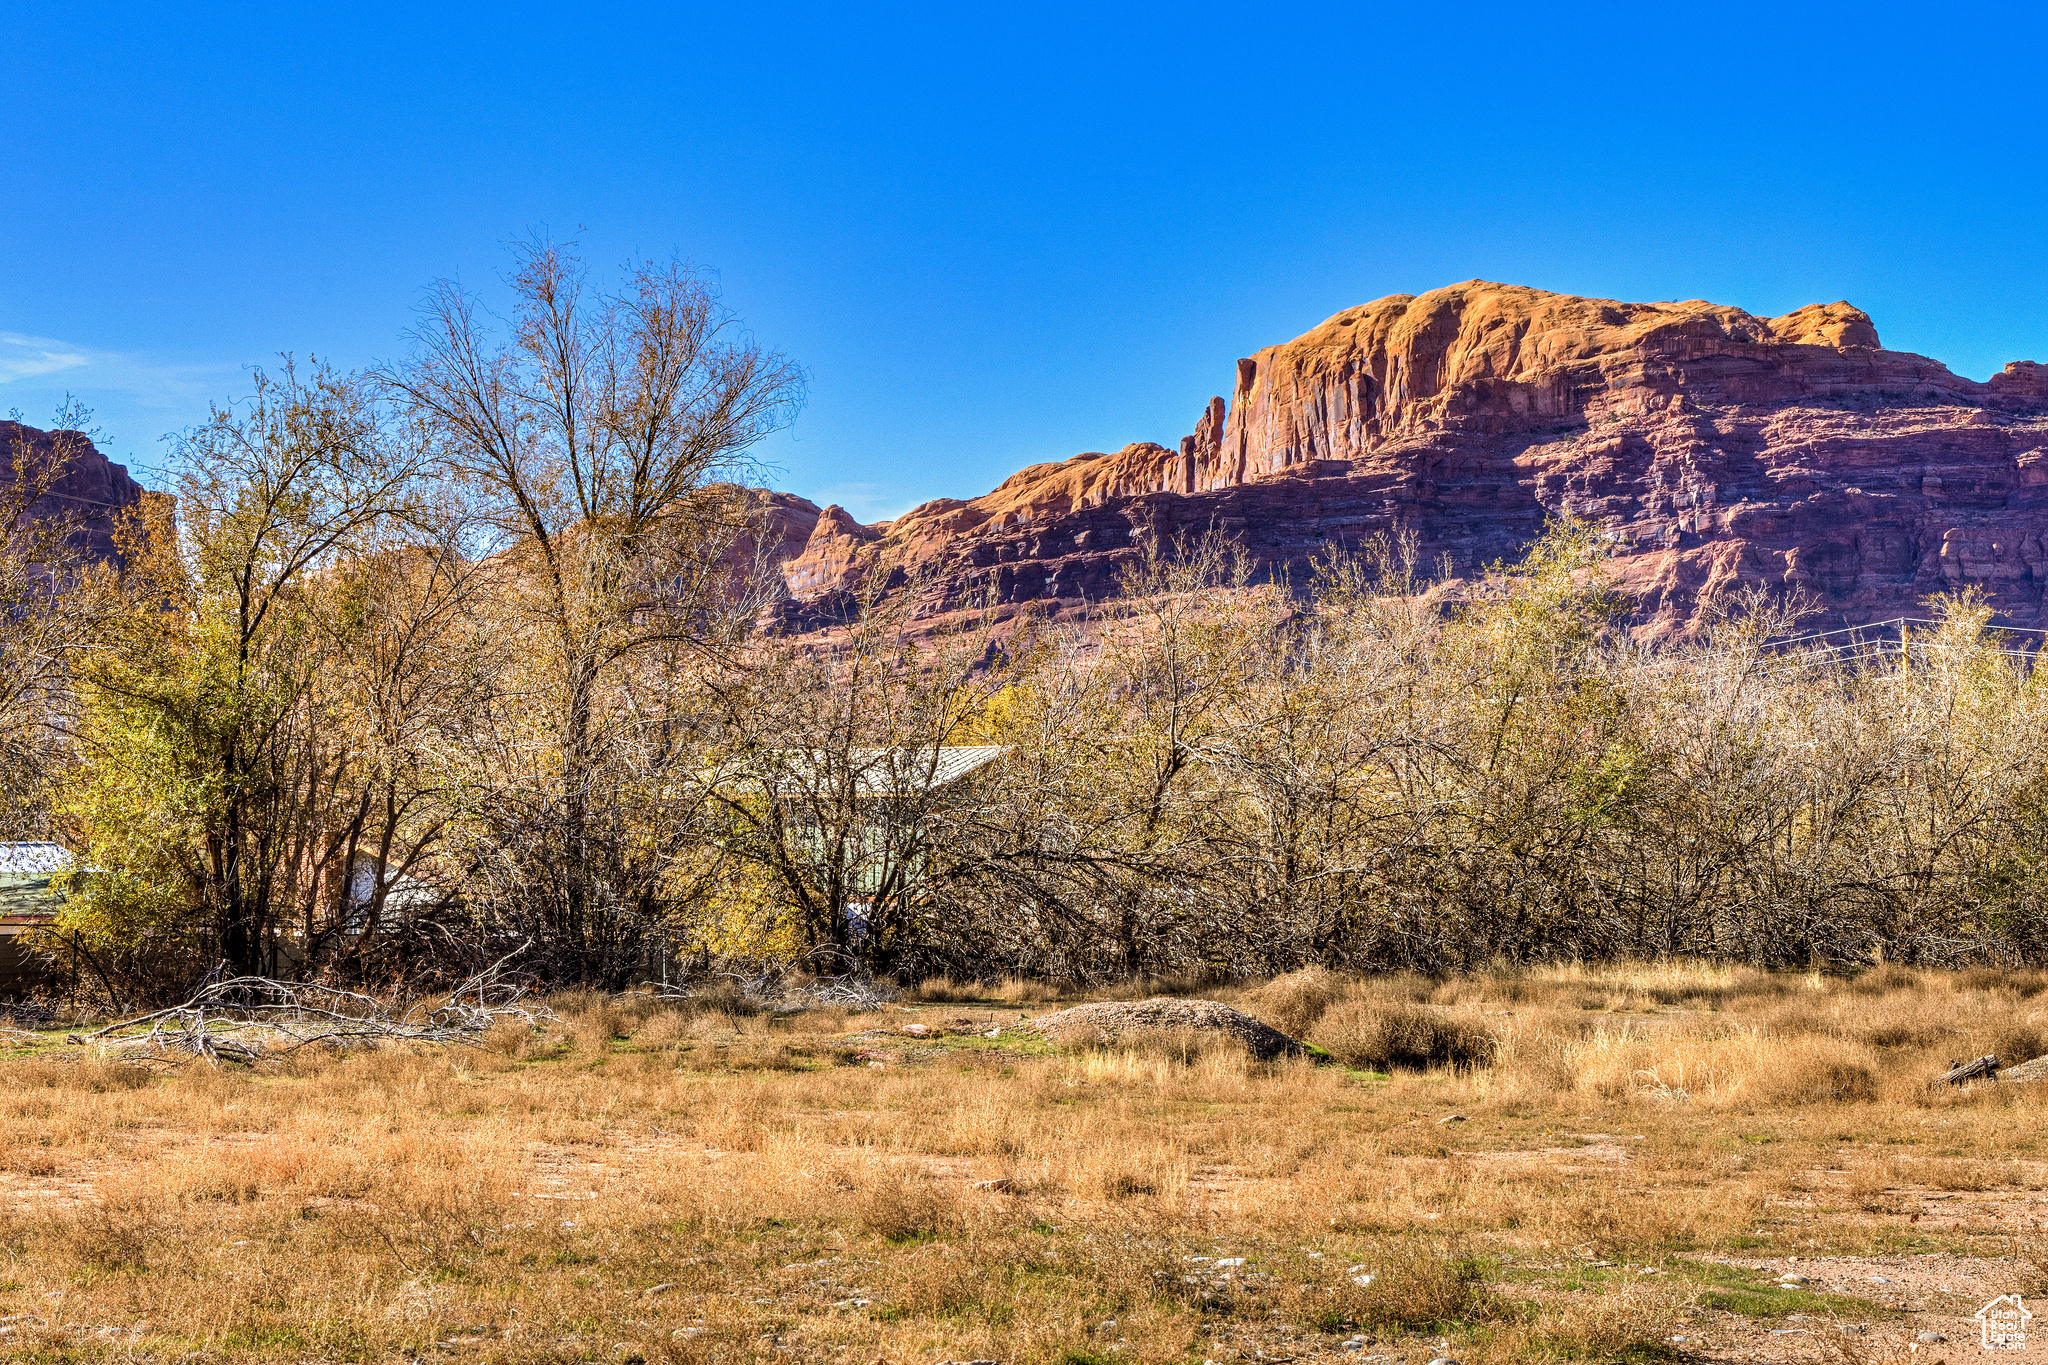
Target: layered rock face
(1715, 448)
(90, 490)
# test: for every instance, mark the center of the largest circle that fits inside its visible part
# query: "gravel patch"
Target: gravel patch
(2036, 1070)
(1111, 1021)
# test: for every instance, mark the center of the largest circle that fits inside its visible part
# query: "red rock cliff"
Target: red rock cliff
(1716, 447)
(91, 490)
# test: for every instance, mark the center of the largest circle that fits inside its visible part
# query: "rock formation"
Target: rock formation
(1715, 448)
(90, 490)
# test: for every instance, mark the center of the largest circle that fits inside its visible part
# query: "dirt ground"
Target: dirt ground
(1625, 1180)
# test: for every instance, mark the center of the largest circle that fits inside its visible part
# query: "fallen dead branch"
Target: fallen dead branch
(859, 993)
(1958, 1072)
(246, 1019)
(784, 988)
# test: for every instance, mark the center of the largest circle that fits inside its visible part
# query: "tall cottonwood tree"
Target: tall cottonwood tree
(596, 432)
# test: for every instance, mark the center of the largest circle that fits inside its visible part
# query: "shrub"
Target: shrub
(1382, 1036)
(1293, 1003)
(2016, 1043)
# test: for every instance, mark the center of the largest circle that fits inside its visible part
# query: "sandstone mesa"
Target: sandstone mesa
(1716, 449)
(90, 489)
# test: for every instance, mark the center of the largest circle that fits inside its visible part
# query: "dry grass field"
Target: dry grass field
(1568, 1165)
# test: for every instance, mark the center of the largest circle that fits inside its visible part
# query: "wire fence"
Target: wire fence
(1869, 643)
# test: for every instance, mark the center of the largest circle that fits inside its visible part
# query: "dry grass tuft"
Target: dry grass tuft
(1631, 1322)
(1293, 1003)
(1420, 1287)
(2018, 1042)
(1017, 990)
(1817, 1071)
(1885, 980)
(944, 990)
(898, 1205)
(1184, 1046)
(1383, 1036)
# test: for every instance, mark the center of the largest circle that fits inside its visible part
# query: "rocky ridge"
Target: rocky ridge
(91, 490)
(1715, 449)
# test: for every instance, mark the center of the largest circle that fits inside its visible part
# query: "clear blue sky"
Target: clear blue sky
(994, 235)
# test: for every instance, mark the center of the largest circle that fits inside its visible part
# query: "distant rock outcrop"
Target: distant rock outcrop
(1714, 447)
(831, 554)
(89, 489)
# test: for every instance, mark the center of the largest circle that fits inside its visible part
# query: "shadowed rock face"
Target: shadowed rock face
(91, 488)
(1717, 449)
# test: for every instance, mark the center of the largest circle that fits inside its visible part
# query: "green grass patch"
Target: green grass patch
(256, 1338)
(1019, 1044)
(1734, 1290)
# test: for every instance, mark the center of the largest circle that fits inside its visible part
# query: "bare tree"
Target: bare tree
(841, 764)
(597, 431)
(406, 701)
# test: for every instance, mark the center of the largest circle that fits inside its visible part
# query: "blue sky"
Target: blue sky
(993, 235)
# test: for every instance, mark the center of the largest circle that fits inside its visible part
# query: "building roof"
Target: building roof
(33, 861)
(25, 872)
(899, 771)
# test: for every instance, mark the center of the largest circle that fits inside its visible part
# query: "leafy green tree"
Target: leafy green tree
(209, 745)
(51, 597)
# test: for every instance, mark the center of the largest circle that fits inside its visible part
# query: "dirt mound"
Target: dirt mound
(1111, 1021)
(2036, 1070)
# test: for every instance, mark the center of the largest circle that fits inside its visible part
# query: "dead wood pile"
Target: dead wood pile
(247, 1019)
(1980, 1068)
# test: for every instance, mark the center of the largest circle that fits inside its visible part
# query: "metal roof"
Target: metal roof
(25, 896)
(35, 861)
(884, 772)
